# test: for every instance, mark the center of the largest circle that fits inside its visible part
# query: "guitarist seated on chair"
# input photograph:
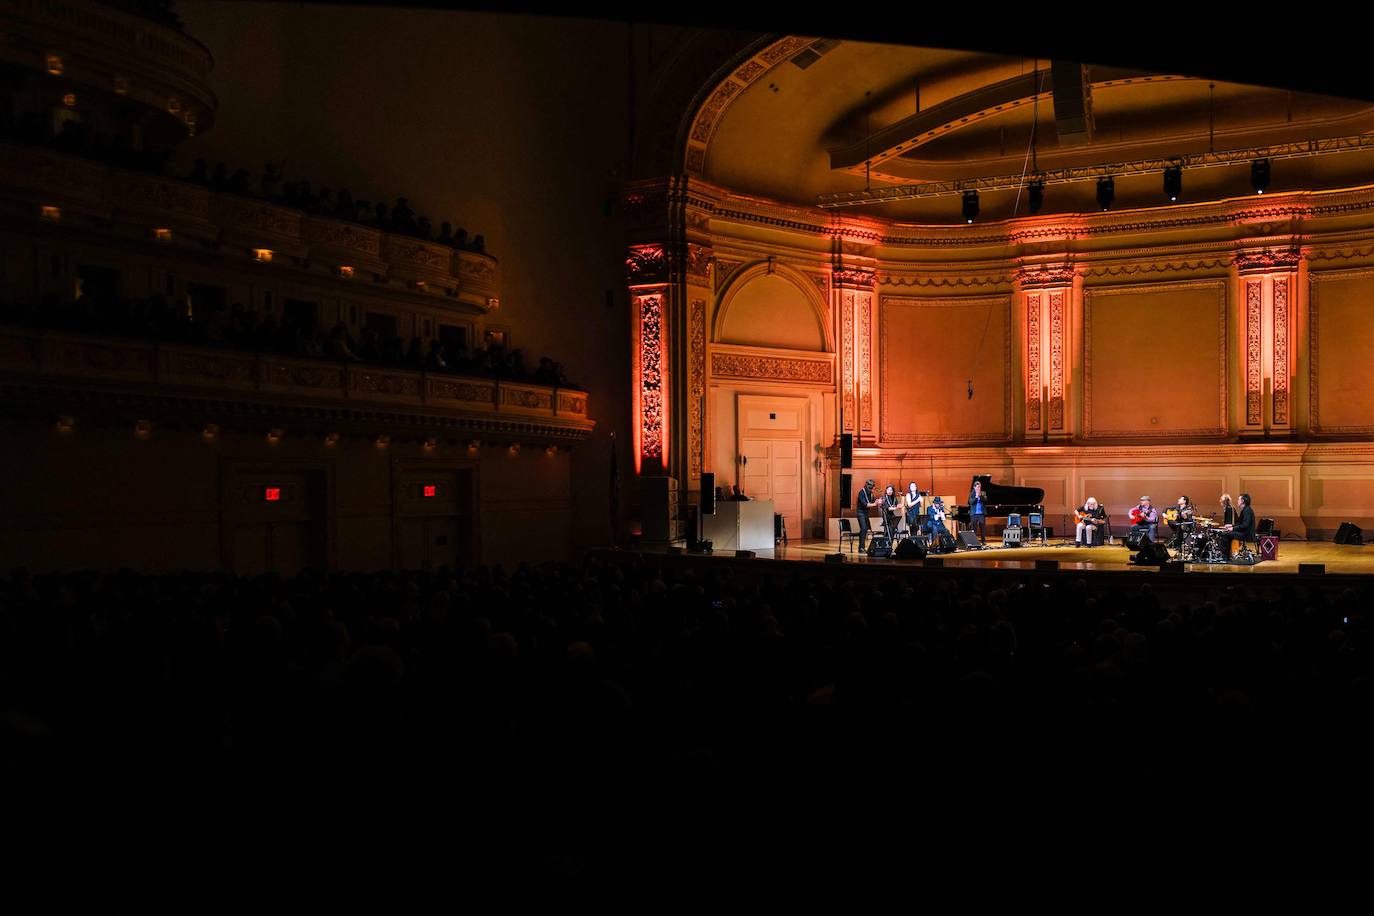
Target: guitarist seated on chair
(1091, 517)
(1145, 518)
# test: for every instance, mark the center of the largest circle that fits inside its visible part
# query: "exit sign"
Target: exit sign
(429, 490)
(271, 494)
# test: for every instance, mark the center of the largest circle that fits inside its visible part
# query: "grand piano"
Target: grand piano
(1000, 500)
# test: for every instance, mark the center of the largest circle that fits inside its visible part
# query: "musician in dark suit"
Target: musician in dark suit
(935, 523)
(1244, 527)
(862, 502)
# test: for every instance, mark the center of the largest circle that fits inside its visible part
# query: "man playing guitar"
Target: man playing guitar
(1145, 517)
(1180, 520)
(1091, 517)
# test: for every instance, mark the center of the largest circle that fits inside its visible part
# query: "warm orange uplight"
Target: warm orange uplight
(52, 214)
(211, 432)
(54, 64)
(275, 435)
(174, 105)
(383, 441)
(331, 439)
(551, 450)
(66, 424)
(69, 100)
(431, 444)
(474, 445)
(121, 85)
(345, 271)
(262, 254)
(143, 428)
(162, 235)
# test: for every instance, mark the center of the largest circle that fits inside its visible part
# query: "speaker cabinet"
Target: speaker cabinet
(708, 493)
(1349, 533)
(879, 546)
(846, 491)
(910, 549)
(846, 450)
(968, 539)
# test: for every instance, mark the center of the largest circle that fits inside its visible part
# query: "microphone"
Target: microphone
(970, 389)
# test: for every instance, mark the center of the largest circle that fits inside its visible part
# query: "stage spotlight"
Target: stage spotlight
(1037, 197)
(1173, 182)
(1106, 192)
(970, 206)
(1259, 175)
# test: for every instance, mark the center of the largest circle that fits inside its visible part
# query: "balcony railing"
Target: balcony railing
(83, 362)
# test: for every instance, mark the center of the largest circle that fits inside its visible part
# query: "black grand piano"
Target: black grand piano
(1001, 501)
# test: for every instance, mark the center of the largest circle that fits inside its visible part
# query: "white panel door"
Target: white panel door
(773, 471)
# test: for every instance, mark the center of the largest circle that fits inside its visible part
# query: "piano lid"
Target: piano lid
(996, 494)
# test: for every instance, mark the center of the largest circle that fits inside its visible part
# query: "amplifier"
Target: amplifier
(1011, 537)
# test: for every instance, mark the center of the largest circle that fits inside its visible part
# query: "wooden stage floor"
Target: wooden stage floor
(1338, 559)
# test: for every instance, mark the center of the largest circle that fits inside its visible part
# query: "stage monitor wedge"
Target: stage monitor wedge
(1349, 533)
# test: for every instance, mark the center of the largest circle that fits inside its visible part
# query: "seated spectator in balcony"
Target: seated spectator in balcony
(479, 244)
(271, 181)
(445, 233)
(515, 366)
(424, 230)
(545, 375)
(340, 347)
(200, 171)
(269, 333)
(403, 218)
(379, 216)
(344, 207)
(435, 361)
(461, 239)
(238, 183)
(220, 180)
(324, 204)
(369, 346)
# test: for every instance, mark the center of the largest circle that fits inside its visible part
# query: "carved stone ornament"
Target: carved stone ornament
(1045, 276)
(1268, 259)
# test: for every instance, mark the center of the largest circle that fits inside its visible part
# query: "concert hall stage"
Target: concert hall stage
(1337, 559)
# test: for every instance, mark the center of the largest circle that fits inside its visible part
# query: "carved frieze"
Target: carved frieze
(283, 374)
(458, 390)
(1033, 388)
(345, 237)
(170, 199)
(1043, 275)
(699, 259)
(388, 384)
(222, 369)
(770, 368)
(1057, 317)
(569, 404)
(1268, 259)
(257, 219)
(854, 278)
(521, 397)
(651, 400)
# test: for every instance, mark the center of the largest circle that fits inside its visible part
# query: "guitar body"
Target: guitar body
(1137, 516)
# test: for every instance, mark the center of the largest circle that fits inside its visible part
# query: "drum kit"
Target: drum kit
(1203, 542)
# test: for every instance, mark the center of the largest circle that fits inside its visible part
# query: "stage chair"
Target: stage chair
(846, 532)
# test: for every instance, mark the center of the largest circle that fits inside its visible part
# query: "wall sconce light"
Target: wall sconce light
(262, 254)
(162, 235)
(50, 213)
(550, 450)
(174, 105)
(275, 435)
(493, 303)
(345, 272)
(514, 448)
(331, 439)
(383, 440)
(420, 286)
(66, 424)
(69, 100)
(431, 444)
(211, 432)
(143, 428)
(121, 85)
(474, 445)
(54, 64)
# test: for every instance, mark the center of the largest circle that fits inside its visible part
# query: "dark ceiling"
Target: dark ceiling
(1235, 43)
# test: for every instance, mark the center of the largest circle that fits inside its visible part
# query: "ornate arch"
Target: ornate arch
(710, 105)
(740, 279)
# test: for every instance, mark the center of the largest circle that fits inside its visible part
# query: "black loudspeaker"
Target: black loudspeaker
(879, 546)
(834, 558)
(910, 549)
(968, 539)
(846, 484)
(777, 527)
(1349, 533)
(846, 450)
(1151, 554)
(1134, 538)
(745, 554)
(708, 493)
